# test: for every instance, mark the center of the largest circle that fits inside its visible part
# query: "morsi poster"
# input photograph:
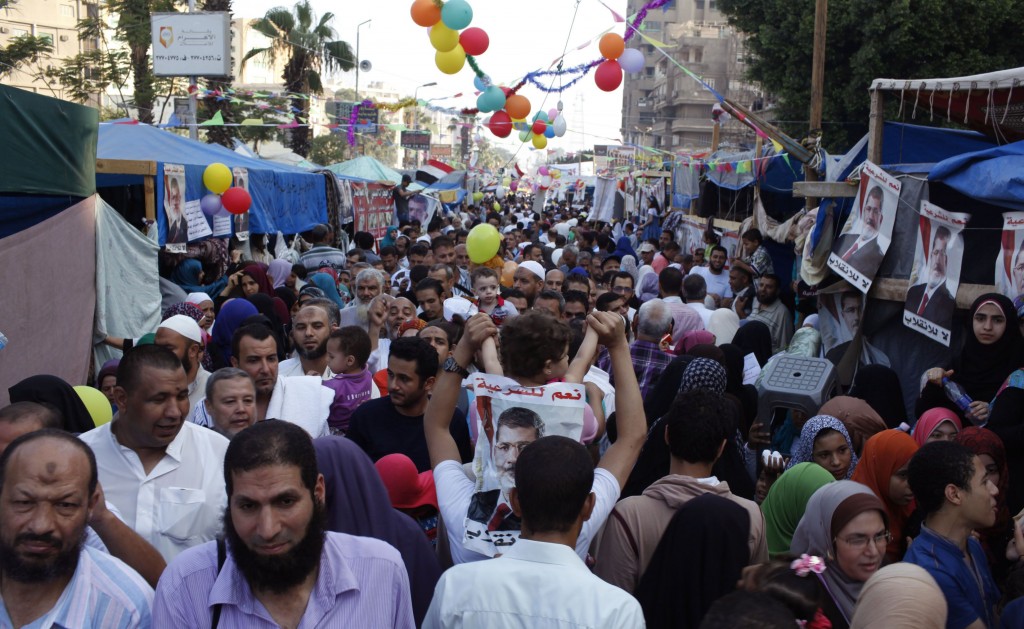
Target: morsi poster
(174, 208)
(858, 251)
(373, 207)
(240, 177)
(935, 278)
(839, 321)
(509, 417)
(1010, 264)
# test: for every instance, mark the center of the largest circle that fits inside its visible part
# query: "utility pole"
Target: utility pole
(193, 129)
(817, 81)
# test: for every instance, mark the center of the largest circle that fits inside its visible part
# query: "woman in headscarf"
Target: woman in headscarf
(745, 393)
(231, 316)
(937, 424)
(205, 304)
(786, 503)
(701, 555)
(860, 419)
(883, 469)
(991, 352)
(389, 237)
(329, 287)
(358, 504)
(989, 449)
(845, 523)
(623, 249)
(691, 339)
(880, 387)
(255, 281)
(825, 441)
(47, 389)
(755, 338)
(291, 302)
(189, 276)
(106, 380)
(629, 266)
(724, 323)
(277, 314)
(647, 289)
(278, 272)
(900, 596)
(1007, 421)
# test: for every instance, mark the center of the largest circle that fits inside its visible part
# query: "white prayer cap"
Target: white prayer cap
(185, 326)
(197, 298)
(533, 267)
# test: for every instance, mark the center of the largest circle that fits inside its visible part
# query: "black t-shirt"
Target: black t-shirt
(380, 430)
(401, 202)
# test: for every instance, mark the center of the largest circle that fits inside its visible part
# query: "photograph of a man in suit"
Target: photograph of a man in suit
(862, 251)
(931, 298)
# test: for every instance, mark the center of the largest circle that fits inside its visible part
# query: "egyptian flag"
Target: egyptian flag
(433, 170)
(519, 172)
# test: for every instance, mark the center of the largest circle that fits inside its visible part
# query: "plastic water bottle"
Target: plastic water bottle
(3, 340)
(958, 396)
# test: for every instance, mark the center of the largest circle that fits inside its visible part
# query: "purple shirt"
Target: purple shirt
(648, 364)
(350, 390)
(362, 583)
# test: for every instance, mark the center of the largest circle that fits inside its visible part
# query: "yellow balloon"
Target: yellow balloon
(539, 141)
(96, 403)
(442, 38)
(217, 178)
(556, 174)
(452, 61)
(482, 243)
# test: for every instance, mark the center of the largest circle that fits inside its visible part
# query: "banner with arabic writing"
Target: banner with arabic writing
(509, 417)
(935, 279)
(1010, 263)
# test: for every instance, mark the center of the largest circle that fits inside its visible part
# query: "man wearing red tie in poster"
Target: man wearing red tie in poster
(931, 298)
(862, 251)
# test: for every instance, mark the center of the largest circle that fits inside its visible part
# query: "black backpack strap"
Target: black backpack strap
(222, 554)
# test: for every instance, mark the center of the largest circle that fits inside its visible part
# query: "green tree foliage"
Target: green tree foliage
(226, 134)
(902, 39)
(309, 48)
(22, 51)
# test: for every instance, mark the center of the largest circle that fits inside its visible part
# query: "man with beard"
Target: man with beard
(931, 299)
(301, 400)
(48, 577)
(181, 335)
(277, 565)
(394, 423)
(311, 327)
(160, 471)
(529, 278)
(369, 284)
(715, 276)
(772, 312)
(862, 251)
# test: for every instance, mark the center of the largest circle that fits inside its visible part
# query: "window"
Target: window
(649, 71)
(48, 37)
(18, 32)
(698, 55)
(654, 27)
(67, 10)
(710, 82)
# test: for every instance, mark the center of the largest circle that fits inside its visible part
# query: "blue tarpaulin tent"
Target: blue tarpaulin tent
(284, 198)
(994, 176)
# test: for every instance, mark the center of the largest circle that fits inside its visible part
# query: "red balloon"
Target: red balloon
(236, 200)
(539, 127)
(608, 75)
(474, 41)
(507, 91)
(500, 124)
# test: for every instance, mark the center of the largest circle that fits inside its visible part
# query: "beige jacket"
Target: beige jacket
(634, 528)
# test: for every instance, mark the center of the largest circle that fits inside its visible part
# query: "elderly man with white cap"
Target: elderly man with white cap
(181, 335)
(529, 278)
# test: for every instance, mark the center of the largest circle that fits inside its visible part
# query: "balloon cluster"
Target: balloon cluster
(444, 21)
(617, 59)
(217, 179)
(546, 176)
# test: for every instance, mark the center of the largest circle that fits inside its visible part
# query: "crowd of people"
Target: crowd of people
(294, 446)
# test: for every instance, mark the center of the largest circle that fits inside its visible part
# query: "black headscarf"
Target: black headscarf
(755, 338)
(982, 369)
(698, 560)
(745, 393)
(358, 504)
(46, 389)
(879, 386)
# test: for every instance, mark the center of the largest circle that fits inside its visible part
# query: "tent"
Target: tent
(365, 168)
(284, 198)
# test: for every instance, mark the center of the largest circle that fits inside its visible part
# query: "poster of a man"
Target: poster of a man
(857, 253)
(1010, 263)
(240, 178)
(935, 279)
(839, 319)
(174, 204)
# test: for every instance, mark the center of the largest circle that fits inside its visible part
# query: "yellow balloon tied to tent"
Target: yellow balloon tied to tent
(217, 178)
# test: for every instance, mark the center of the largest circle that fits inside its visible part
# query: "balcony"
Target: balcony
(683, 125)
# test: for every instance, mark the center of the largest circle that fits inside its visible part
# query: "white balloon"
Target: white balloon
(500, 192)
(559, 126)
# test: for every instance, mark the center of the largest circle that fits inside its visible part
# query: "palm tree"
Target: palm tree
(310, 48)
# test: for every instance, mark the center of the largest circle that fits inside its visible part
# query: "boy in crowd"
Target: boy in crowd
(348, 349)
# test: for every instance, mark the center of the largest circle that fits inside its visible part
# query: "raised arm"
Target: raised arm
(584, 357)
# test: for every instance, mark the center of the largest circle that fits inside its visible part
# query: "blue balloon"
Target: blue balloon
(492, 99)
(541, 115)
(456, 14)
(210, 204)
(549, 132)
(479, 84)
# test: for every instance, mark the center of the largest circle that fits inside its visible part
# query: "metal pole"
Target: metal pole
(193, 129)
(357, 55)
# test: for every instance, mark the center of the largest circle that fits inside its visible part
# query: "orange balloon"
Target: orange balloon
(517, 106)
(425, 12)
(611, 45)
(508, 273)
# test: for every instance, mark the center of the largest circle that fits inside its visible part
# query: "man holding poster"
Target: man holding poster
(936, 276)
(858, 252)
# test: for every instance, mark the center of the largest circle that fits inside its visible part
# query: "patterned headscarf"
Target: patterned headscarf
(803, 446)
(703, 374)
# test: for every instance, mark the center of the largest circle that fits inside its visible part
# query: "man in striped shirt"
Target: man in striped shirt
(48, 577)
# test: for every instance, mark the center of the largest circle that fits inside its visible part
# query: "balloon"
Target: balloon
(96, 403)
(608, 75)
(443, 39)
(513, 185)
(556, 174)
(539, 127)
(477, 197)
(508, 273)
(217, 178)
(519, 125)
(611, 44)
(541, 115)
(500, 192)
(478, 82)
(543, 170)
(450, 62)
(517, 106)
(491, 99)
(559, 126)
(210, 204)
(539, 141)
(500, 124)
(483, 242)
(236, 200)
(545, 181)
(497, 208)
(457, 14)
(506, 181)
(474, 41)
(425, 12)
(632, 60)
(524, 136)
(552, 114)
(549, 132)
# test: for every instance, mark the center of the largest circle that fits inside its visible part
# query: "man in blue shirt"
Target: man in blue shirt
(955, 495)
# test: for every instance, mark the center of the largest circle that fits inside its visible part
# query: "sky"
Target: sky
(525, 35)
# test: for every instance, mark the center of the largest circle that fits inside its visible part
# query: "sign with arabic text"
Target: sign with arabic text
(191, 44)
(416, 140)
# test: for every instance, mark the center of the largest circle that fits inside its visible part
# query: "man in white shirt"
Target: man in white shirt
(163, 473)
(540, 578)
(311, 327)
(696, 291)
(715, 275)
(181, 335)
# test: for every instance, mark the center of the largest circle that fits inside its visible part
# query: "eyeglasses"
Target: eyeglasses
(859, 542)
(622, 290)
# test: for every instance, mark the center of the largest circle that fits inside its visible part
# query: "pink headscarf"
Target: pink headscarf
(692, 339)
(930, 420)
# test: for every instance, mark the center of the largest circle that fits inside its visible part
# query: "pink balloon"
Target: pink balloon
(552, 114)
(514, 185)
(543, 170)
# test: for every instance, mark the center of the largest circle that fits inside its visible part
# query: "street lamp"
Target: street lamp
(357, 55)
(416, 113)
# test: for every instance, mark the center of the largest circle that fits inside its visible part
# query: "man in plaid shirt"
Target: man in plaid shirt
(653, 321)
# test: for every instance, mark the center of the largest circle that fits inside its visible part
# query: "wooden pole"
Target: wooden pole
(715, 131)
(817, 82)
(876, 123)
